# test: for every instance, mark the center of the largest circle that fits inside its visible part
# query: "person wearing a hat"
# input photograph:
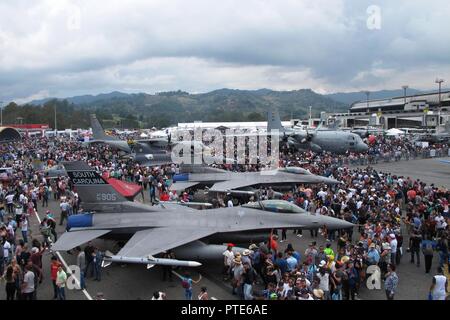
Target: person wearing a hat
(246, 257)
(237, 271)
(393, 244)
(372, 256)
(385, 256)
(228, 256)
(324, 276)
(318, 294)
(255, 257)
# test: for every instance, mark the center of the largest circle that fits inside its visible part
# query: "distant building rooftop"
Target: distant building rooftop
(397, 103)
(231, 125)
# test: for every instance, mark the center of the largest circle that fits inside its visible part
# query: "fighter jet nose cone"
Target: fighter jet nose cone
(335, 223)
(348, 224)
(364, 147)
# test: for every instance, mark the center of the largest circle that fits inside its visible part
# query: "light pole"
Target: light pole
(405, 87)
(310, 116)
(439, 81)
(56, 129)
(1, 113)
(367, 100)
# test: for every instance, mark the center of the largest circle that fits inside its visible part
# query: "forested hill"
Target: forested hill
(163, 109)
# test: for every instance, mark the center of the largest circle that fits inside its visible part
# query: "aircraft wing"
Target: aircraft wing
(445, 161)
(277, 178)
(181, 186)
(152, 241)
(226, 186)
(153, 141)
(70, 240)
(246, 134)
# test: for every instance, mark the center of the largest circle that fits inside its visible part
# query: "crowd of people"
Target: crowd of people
(386, 208)
(381, 205)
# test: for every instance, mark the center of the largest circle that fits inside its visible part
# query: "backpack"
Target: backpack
(428, 250)
(185, 283)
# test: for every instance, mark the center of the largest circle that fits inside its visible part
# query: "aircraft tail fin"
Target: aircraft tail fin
(90, 186)
(98, 133)
(274, 121)
(334, 125)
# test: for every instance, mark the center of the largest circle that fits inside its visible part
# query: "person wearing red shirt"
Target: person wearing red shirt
(53, 274)
(164, 197)
(273, 245)
(411, 194)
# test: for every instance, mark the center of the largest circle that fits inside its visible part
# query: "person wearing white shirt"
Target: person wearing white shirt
(322, 194)
(228, 260)
(393, 245)
(6, 249)
(18, 212)
(28, 283)
(10, 202)
(439, 221)
(24, 228)
(306, 204)
(359, 204)
(438, 289)
(230, 203)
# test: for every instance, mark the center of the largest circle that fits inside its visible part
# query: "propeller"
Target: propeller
(308, 137)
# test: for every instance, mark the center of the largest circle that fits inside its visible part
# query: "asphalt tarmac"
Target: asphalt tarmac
(136, 282)
(427, 170)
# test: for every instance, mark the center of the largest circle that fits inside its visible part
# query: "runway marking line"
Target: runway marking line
(87, 295)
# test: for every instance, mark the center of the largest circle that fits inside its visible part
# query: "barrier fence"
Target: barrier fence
(392, 156)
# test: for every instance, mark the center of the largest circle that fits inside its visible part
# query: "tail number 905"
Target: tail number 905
(106, 197)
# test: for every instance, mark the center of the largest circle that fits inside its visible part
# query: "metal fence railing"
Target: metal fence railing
(392, 156)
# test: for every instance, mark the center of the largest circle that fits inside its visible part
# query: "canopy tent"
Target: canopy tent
(9, 134)
(394, 132)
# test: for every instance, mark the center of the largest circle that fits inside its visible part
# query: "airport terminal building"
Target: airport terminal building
(416, 111)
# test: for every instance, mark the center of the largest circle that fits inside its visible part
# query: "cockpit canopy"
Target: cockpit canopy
(279, 206)
(296, 170)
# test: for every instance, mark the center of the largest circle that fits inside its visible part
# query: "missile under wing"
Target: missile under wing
(154, 230)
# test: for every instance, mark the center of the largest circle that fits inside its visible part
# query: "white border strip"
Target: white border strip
(88, 296)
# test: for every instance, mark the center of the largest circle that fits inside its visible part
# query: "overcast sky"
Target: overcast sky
(63, 48)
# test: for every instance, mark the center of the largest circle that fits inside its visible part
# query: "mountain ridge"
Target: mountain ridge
(163, 109)
(342, 97)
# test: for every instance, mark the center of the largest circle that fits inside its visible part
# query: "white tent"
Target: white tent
(144, 135)
(394, 132)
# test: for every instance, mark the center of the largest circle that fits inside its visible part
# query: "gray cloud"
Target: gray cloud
(65, 47)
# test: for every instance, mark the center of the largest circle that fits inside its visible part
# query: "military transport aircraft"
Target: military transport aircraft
(154, 229)
(149, 152)
(334, 141)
